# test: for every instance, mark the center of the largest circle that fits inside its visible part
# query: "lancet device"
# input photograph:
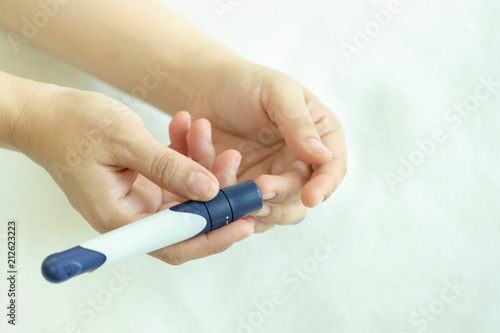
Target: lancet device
(154, 232)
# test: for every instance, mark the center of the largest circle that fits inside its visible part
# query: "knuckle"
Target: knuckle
(325, 124)
(123, 118)
(165, 167)
(300, 123)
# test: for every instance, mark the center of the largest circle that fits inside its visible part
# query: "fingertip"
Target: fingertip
(312, 201)
(286, 186)
(180, 118)
(317, 190)
(251, 227)
(250, 221)
(199, 141)
(178, 129)
(225, 167)
(266, 186)
(202, 187)
(236, 162)
(324, 182)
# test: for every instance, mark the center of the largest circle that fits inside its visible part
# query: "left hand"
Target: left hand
(194, 140)
(292, 145)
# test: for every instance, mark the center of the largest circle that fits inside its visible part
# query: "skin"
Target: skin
(245, 121)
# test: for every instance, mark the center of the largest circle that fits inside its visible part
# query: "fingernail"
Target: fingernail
(320, 200)
(269, 196)
(265, 211)
(201, 185)
(236, 164)
(317, 146)
(208, 132)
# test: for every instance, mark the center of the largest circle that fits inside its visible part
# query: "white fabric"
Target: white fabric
(423, 257)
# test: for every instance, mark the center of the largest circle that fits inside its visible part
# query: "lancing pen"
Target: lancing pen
(154, 232)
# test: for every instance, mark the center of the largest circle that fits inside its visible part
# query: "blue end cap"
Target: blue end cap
(230, 204)
(62, 266)
(245, 198)
(219, 211)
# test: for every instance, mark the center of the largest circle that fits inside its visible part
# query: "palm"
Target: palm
(232, 102)
(260, 155)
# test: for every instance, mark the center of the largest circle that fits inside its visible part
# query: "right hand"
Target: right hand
(114, 172)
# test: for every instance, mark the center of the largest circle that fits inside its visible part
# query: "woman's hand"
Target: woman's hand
(114, 172)
(292, 145)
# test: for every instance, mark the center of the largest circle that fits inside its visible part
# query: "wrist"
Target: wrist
(25, 114)
(183, 71)
(12, 103)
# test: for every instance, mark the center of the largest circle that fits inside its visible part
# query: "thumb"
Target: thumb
(170, 170)
(287, 108)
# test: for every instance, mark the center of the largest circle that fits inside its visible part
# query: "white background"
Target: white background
(398, 250)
